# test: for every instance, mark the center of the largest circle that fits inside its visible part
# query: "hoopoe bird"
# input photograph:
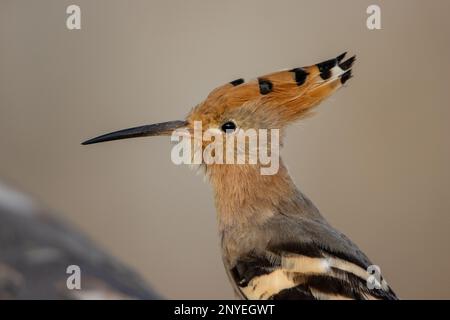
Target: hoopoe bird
(275, 243)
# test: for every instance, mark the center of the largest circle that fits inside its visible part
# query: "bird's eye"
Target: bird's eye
(228, 126)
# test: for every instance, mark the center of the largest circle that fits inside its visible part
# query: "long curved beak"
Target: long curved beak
(158, 129)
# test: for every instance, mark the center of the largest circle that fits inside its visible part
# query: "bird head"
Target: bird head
(269, 102)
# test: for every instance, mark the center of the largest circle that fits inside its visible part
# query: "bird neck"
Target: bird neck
(245, 197)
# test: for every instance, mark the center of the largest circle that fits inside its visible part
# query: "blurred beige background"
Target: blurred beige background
(375, 159)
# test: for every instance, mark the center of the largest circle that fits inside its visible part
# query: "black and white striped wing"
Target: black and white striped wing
(308, 269)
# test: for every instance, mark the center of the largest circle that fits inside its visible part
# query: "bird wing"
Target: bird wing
(306, 259)
(36, 250)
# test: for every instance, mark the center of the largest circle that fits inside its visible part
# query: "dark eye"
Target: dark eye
(228, 126)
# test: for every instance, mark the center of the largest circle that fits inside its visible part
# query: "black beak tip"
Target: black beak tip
(85, 143)
(103, 138)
